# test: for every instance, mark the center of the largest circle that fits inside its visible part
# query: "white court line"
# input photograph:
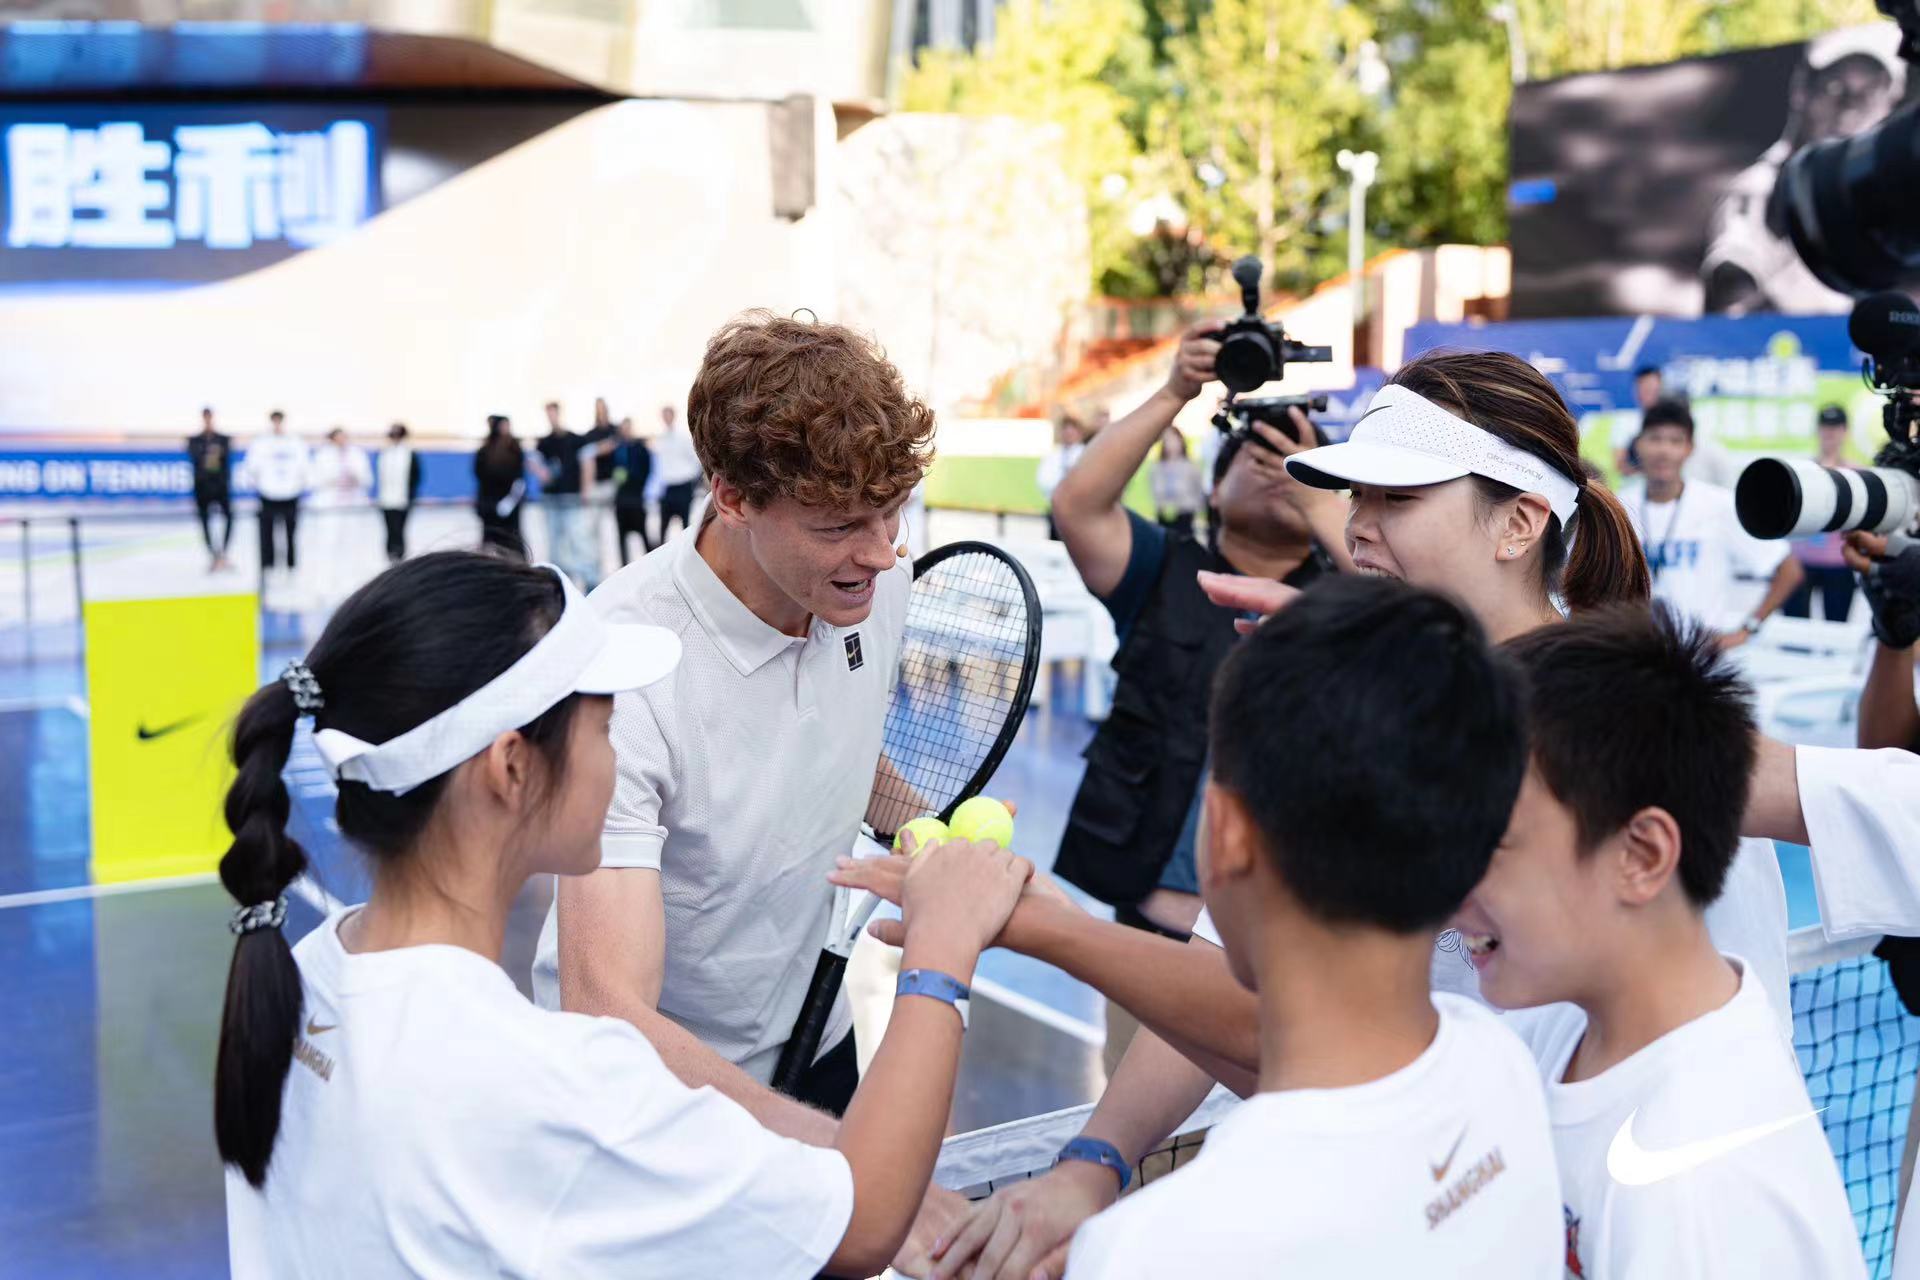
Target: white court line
(314, 896)
(48, 702)
(1045, 1014)
(39, 897)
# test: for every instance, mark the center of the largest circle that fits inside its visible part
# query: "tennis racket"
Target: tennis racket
(967, 664)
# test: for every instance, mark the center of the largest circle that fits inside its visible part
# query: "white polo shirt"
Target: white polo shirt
(434, 1124)
(1443, 1168)
(741, 778)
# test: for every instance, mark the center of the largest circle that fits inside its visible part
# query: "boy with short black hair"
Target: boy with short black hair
(1687, 1145)
(1367, 746)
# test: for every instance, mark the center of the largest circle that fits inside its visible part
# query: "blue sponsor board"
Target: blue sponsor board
(1755, 383)
(64, 475)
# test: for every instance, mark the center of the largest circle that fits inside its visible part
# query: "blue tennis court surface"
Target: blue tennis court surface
(108, 1020)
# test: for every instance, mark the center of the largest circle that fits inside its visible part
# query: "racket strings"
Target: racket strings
(965, 649)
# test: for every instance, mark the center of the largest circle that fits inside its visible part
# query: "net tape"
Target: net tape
(1858, 1047)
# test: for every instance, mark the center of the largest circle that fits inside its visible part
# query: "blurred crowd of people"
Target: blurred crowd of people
(649, 484)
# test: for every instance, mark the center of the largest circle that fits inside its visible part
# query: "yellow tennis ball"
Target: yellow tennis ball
(983, 818)
(926, 829)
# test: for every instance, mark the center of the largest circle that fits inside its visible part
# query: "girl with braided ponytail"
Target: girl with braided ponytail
(388, 1103)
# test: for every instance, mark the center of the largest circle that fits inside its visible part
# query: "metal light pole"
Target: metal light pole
(1360, 167)
(1509, 16)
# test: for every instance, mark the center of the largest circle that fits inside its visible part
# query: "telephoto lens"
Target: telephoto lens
(1799, 498)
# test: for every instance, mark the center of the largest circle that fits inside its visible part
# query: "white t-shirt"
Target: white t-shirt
(1863, 820)
(1053, 468)
(277, 467)
(742, 777)
(1443, 1168)
(1773, 1206)
(675, 460)
(1697, 551)
(435, 1124)
(341, 476)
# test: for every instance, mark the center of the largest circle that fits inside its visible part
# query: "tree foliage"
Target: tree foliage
(1234, 110)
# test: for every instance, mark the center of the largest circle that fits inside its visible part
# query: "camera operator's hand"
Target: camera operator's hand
(1861, 549)
(1324, 510)
(1892, 587)
(1193, 366)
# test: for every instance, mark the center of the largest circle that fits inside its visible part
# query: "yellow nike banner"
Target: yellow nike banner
(165, 679)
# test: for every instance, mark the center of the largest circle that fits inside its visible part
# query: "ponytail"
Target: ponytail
(262, 1015)
(1606, 564)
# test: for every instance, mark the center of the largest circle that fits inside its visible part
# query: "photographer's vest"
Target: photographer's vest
(1144, 763)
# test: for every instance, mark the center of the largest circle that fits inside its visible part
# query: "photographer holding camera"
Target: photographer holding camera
(1889, 716)
(1129, 837)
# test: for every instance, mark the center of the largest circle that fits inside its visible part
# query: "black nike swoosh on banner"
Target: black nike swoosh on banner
(148, 735)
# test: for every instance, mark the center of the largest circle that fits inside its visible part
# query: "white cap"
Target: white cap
(1406, 441)
(581, 653)
(1879, 41)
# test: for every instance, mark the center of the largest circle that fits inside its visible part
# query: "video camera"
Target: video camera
(1848, 203)
(1798, 498)
(1254, 353)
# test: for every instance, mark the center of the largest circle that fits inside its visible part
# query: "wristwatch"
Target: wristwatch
(936, 986)
(1752, 625)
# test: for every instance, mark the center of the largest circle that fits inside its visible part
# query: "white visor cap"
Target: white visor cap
(1406, 441)
(581, 653)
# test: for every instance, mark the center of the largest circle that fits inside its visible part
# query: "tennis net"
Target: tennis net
(1858, 1048)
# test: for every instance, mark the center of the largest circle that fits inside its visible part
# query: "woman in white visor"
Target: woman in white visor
(389, 1104)
(1466, 477)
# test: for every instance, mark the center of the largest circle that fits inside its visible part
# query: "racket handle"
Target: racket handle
(859, 911)
(804, 1044)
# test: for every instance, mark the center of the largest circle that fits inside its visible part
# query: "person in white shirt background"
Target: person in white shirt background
(1695, 547)
(397, 471)
(1367, 747)
(278, 466)
(388, 1104)
(676, 472)
(1653, 1044)
(1070, 441)
(342, 484)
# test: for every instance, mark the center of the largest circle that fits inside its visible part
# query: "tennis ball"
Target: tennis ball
(983, 818)
(926, 829)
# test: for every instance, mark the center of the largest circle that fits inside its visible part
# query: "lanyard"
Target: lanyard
(1646, 529)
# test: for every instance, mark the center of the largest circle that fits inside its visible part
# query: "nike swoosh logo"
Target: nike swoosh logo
(148, 735)
(1440, 1170)
(1633, 1165)
(314, 1028)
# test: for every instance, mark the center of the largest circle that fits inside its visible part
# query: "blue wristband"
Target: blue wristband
(936, 986)
(1097, 1151)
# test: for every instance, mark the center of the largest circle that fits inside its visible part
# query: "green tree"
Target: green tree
(1442, 133)
(1568, 36)
(1061, 63)
(1264, 96)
